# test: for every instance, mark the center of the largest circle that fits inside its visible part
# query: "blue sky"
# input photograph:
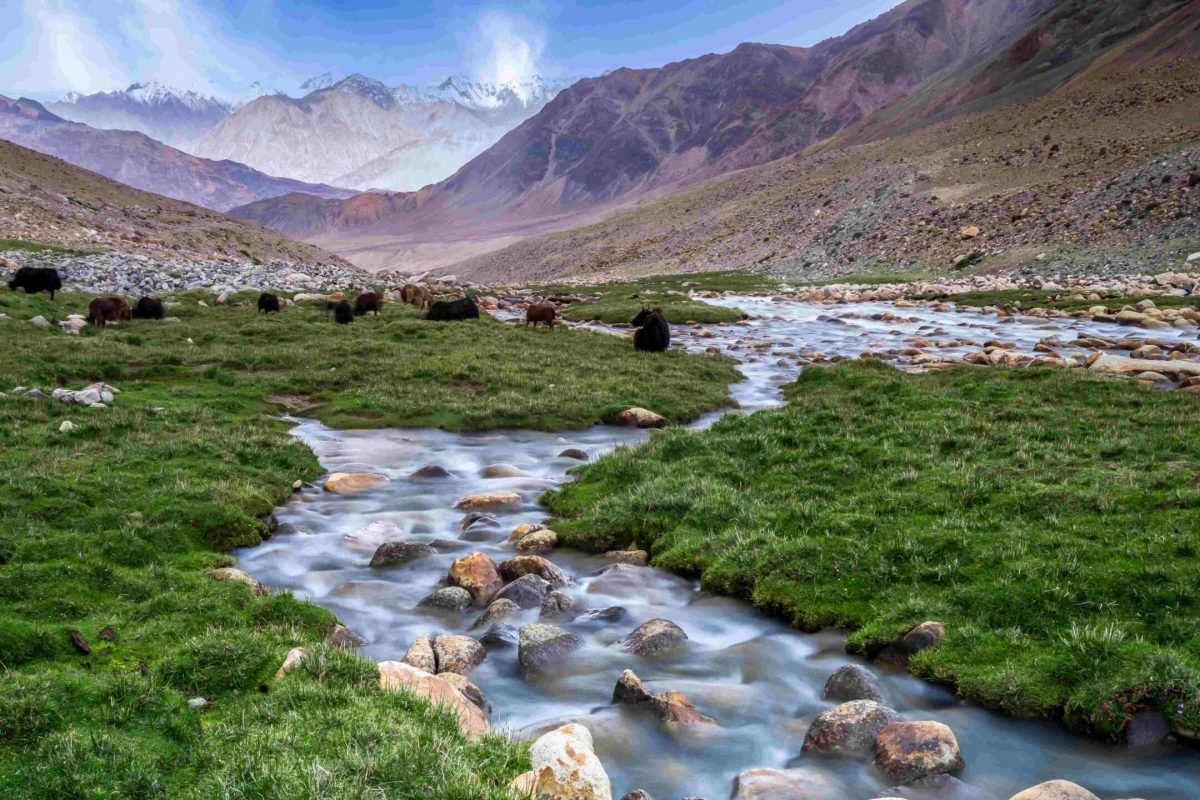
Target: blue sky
(223, 46)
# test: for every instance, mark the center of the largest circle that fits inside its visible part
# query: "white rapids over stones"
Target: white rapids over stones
(760, 680)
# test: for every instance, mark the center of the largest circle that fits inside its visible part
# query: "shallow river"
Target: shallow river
(758, 679)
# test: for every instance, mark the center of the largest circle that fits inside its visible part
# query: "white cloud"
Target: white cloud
(505, 48)
(100, 45)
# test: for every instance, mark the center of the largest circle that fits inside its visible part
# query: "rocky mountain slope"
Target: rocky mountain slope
(1102, 174)
(679, 125)
(48, 200)
(139, 161)
(172, 116)
(358, 132)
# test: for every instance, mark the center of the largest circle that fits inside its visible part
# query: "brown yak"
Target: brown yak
(541, 313)
(104, 310)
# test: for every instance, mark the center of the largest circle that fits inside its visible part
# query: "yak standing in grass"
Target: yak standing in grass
(149, 308)
(268, 302)
(343, 313)
(36, 279)
(541, 314)
(653, 333)
(450, 310)
(366, 303)
(104, 310)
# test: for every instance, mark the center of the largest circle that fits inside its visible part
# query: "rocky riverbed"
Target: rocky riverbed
(436, 557)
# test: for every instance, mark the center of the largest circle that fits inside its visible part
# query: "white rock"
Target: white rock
(39, 322)
(66, 427)
(1193, 258)
(566, 767)
(197, 702)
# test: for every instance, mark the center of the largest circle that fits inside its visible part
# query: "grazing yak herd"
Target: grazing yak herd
(652, 333)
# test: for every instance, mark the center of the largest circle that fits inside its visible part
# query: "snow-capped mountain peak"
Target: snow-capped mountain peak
(318, 82)
(174, 116)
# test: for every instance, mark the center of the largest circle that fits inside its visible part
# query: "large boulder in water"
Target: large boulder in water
(852, 682)
(420, 655)
(849, 729)
(353, 482)
(543, 646)
(1055, 790)
(489, 500)
(514, 568)
(527, 591)
(784, 784)
(654, 638)
(456, 653)
(448, 598)
(670, 706)
(390, 554)
(476, 573)
(907, 751)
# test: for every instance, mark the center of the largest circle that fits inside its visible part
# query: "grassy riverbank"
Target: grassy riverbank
(1046, 517)
(117, 524)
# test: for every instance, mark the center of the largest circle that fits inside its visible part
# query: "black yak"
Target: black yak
(149, 308)
(366, 303)
(268, 302)
(541, 313)
(36, 279)
(104, 310)
(653, 333)
(343, 314)
(448, 310)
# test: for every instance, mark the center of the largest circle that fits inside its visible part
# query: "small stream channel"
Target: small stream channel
(760, 680)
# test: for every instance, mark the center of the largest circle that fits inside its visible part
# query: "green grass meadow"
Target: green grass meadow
(116, 526)
(1047, 518)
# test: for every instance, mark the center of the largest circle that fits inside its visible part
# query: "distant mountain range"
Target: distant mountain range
(361, 133)
(172, 116)
(144, 163)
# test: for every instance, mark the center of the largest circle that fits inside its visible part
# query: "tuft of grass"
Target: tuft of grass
(1047, 518)
(9, 245)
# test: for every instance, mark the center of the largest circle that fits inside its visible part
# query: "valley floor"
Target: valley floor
(112, 530)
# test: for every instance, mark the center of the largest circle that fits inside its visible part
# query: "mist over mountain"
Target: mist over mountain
(173, 116)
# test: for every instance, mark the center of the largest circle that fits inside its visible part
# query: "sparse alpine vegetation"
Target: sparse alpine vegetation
(1045, 517)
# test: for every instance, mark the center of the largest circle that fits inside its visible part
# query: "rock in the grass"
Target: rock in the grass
(488, 500)
(637, 558)
(848, 729)
(653, 638)
(433, 471)
(353, 482)
(197, 702)
(455, 653)
(542, 541)
(501, 471)
(1055, 790)
(499, 609)
(237, 576)
(574, 453)
(640, 418)
(556, 605)
(783, 784)
(923, 636)
(1146, 729)
(67, 426)
(449, 598)
(343, 638)
(669, 706)
(421, 656)
(907, 751)
(40, 322)
(527, 591)
(389, 554)
(1121, 365)
(565, 766)
(514, 568)
(852, 682)
(468, 690)
(541, 647)
(290, 662)
(476, 573)
(395, 675)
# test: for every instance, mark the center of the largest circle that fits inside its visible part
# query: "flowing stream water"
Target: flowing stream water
(760, 680)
